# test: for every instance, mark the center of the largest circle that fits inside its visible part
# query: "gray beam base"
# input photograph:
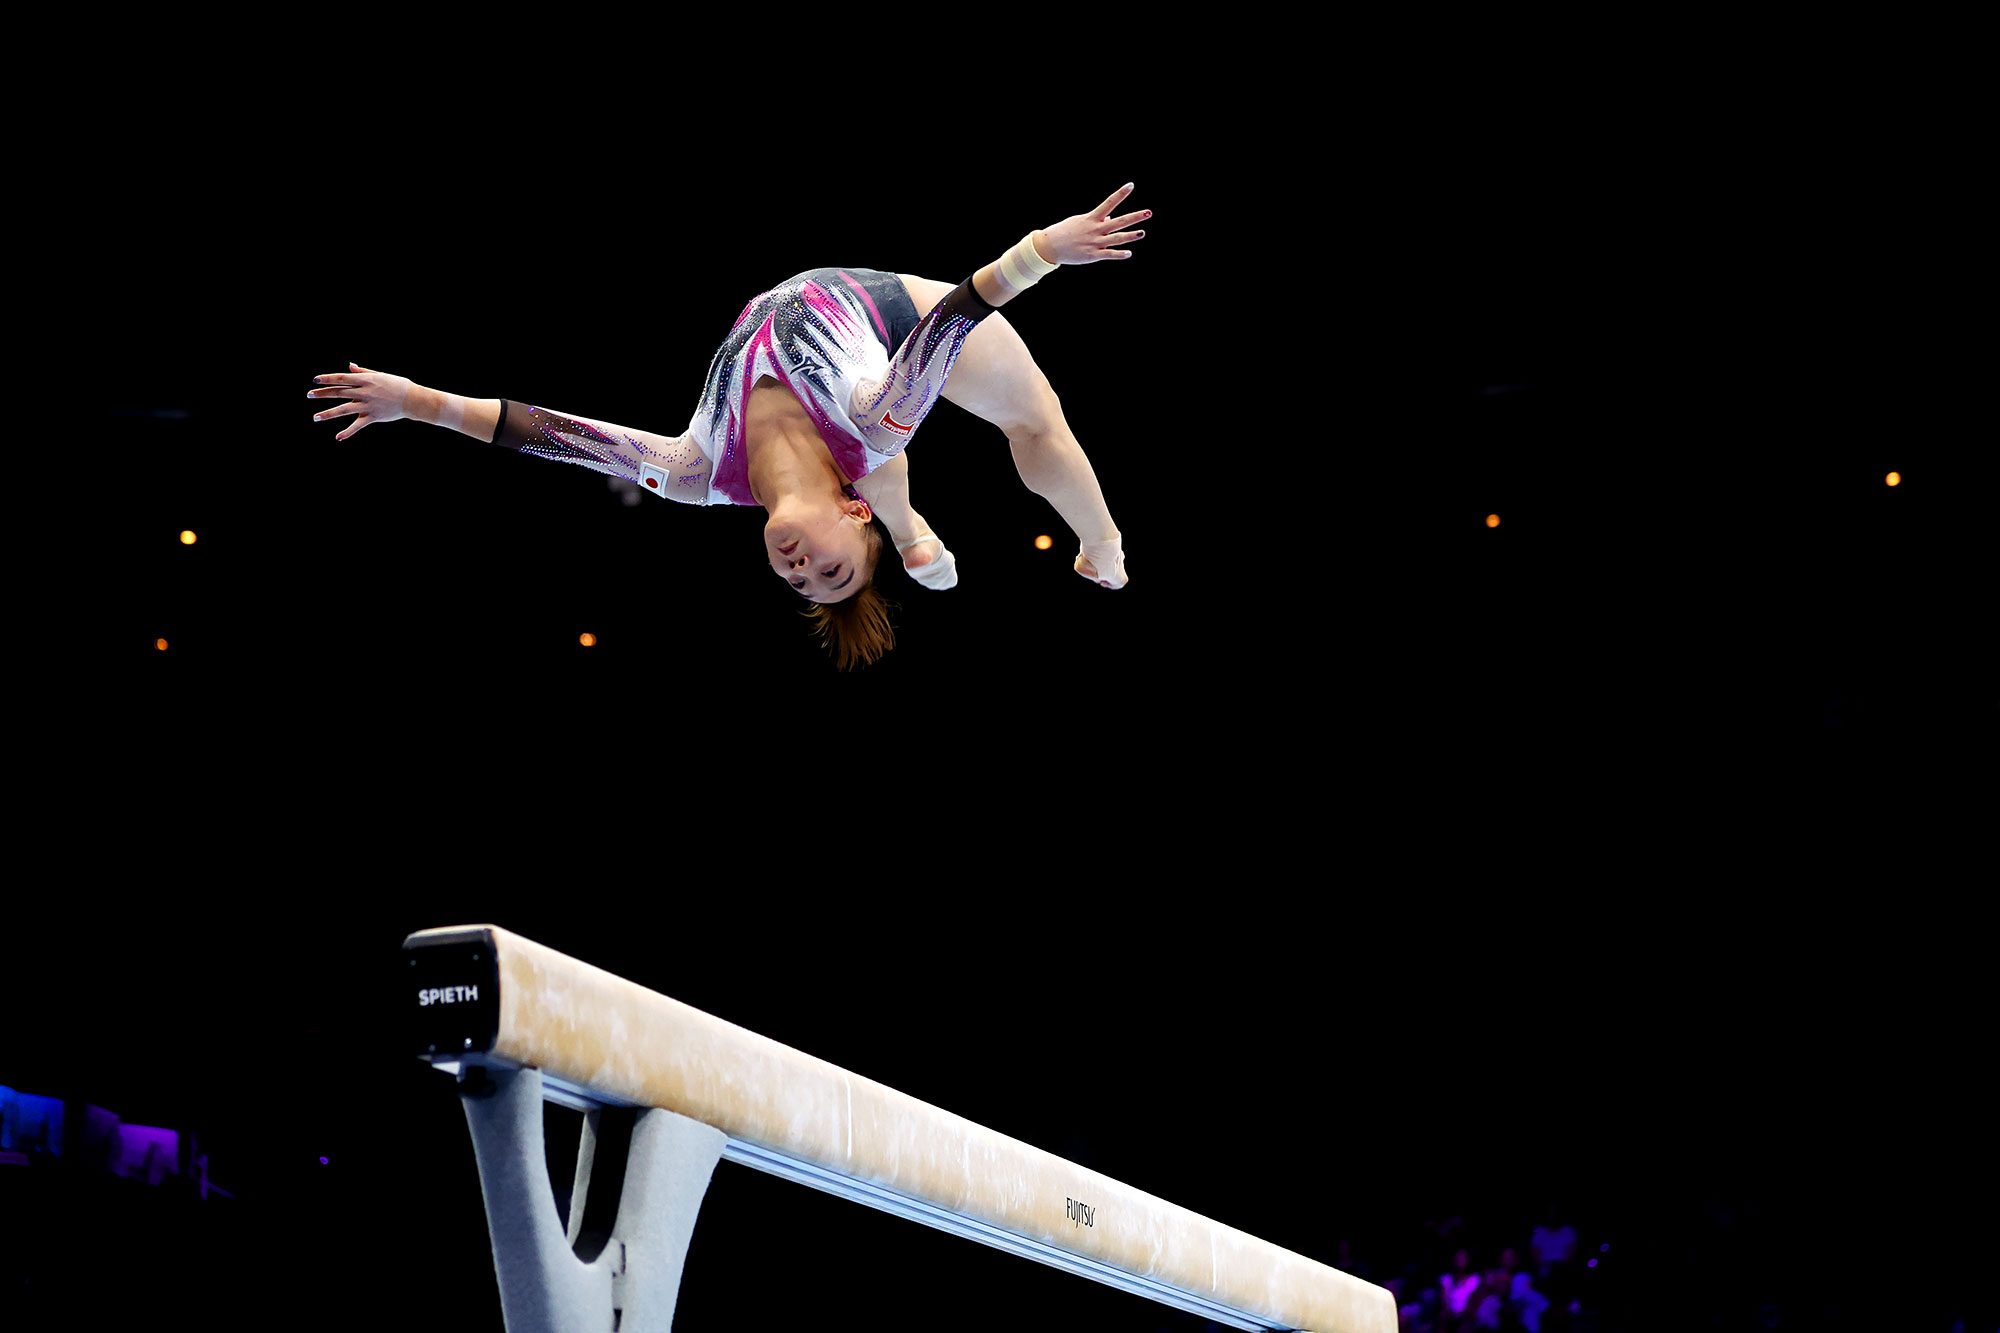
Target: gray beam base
(622, 1275)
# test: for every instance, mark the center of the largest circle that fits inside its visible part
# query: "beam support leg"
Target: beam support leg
(640, 1180)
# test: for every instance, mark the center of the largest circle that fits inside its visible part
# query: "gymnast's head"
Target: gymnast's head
(826, 552)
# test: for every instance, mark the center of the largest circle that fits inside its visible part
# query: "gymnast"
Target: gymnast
(807, 410)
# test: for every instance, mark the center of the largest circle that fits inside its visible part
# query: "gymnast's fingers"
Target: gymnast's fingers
(1122, 238)
(344, 410)
(1130, 218)
(351, 429)
(1103, 210)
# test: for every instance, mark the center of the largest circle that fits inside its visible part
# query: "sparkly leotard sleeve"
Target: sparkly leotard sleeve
(822, 336)
(673, 467)
(888, 410)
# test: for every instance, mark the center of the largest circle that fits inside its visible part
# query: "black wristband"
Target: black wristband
(977, 300)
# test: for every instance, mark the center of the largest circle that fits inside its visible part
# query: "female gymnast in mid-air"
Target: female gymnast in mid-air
(807, 409)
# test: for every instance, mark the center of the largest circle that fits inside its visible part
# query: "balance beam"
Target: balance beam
(487, 1005)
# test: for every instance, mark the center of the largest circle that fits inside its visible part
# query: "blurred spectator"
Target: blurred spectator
(1553, 1243)
(1526, 1303)
(1430, 1310)
(1406, 1310)
(1489, 1301)
(1457, 1287)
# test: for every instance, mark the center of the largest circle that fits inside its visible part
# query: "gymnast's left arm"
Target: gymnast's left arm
(670, 466)
(887, 412)
(1053, 468)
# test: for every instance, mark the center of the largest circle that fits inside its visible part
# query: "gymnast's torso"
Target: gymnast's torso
(845, 347)
(771, 411)
(839, 353)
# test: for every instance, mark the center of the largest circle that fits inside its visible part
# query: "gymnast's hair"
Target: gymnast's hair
(857, 630)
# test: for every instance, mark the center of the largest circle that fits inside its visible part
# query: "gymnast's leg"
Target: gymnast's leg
(996, 379)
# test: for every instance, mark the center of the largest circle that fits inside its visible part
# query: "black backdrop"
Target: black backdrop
(1357, 867)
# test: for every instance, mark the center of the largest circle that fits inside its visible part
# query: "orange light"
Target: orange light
(588, 640)
(1895, 479)
(1044, 542)
(187, 538)
(161, 644)
(1493, 520)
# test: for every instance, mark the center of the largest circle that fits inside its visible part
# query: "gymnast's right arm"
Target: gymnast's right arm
(666, 465)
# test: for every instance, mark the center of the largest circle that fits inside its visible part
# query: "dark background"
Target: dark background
(1357, 868)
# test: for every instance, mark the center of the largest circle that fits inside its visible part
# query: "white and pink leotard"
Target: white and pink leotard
(827, 335)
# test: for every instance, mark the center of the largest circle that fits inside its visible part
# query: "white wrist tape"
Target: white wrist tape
(1021, 267)
(940, 573)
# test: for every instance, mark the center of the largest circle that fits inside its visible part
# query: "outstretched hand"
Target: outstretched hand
(1093, 236)
(372, 396)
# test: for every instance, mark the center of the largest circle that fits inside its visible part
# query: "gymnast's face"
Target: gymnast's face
(820, 550)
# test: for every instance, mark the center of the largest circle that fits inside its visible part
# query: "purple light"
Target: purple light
(1593, 1263)
(322, 1162)
(1605, 1246)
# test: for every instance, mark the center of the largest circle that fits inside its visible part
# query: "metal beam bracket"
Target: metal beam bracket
(640, 1178)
